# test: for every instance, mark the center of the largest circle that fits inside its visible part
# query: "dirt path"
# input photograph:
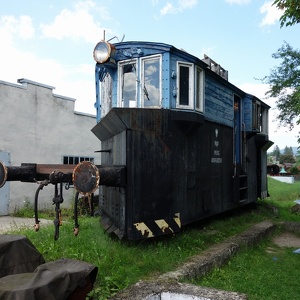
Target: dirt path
(287, 239)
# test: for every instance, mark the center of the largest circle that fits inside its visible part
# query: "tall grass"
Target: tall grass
(122, 263)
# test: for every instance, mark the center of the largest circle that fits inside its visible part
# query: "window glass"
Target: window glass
(151, 82)
(185, 85)
(128, 84)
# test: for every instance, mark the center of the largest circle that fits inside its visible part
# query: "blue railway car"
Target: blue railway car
(179, 143)
(190, 144)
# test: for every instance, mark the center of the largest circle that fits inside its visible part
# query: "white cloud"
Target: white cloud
(181, 5)
(271, 12)
(76, 24)
(239, 2)
(20, 62)
(21, 27)
(168, 9)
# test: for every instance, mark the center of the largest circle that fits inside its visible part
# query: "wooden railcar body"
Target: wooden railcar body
(193, 144)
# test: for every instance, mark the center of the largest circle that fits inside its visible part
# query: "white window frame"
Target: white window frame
(191, 85)
(199, 92)
(120, 81)
(142, 76)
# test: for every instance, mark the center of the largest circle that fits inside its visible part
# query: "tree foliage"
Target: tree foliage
(276, 153)
(288, 151)
(291, 11)
(284, 82)
(287, 158)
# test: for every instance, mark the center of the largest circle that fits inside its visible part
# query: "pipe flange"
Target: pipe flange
(3, 174)
(86, 178)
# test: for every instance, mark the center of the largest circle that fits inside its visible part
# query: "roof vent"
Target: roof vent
(215, 67)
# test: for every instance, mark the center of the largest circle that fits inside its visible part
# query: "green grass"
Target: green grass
(121, 263)
(267, 271)
(259, 274)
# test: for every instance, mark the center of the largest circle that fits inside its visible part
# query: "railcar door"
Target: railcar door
(240, 186)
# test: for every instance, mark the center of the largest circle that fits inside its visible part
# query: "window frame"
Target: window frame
(190, 66)
(142, 77)
(199, 89)
(256, 116)
(120, 82)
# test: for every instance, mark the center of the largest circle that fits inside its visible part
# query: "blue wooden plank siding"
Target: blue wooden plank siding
(218, 102)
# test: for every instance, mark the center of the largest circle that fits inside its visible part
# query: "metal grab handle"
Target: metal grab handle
(57, 200)
(76, 225)
(36, 217)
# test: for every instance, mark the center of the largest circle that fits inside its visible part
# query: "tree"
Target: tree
(287, 158)
(291, 11)
(276, 153)
(288, 151)
(284, 82)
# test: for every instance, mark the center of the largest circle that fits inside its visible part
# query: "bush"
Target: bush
(294, 170)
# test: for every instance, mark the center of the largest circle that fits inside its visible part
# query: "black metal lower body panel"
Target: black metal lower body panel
(178, 171)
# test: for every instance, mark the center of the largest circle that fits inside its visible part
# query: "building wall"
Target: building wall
(38, 126)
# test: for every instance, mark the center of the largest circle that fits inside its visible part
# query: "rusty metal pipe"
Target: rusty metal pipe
(109, 175)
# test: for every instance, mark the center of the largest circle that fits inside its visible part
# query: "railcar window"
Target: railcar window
(151, 82)
(185, 85)
(128, 84)
(256, 116)
(199, 89)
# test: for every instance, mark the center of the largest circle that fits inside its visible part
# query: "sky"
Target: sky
(52, 42)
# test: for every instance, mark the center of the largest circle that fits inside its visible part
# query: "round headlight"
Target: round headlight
(102, 52)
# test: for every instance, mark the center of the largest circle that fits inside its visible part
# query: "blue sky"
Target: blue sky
(51, 42)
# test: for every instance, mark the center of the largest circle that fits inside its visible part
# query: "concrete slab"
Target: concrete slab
(175, 291)
(9, 223)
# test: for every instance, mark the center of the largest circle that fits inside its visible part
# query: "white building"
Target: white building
(37, 126)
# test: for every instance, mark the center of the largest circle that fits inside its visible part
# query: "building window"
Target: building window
(128, 83)
(150, 81)
(185, 85)
(74, 160)
(199, 89)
